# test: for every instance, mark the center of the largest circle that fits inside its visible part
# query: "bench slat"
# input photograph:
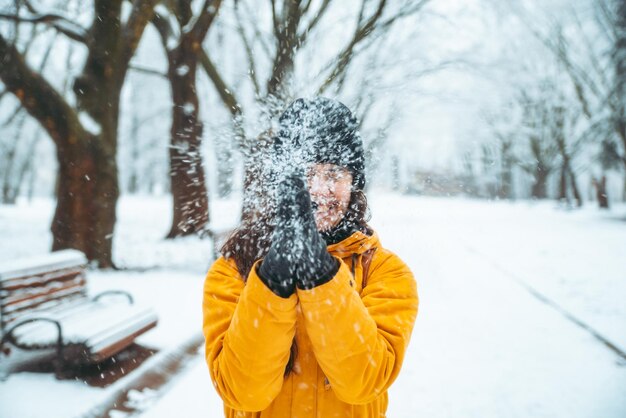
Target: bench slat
(53, 309)
(34, 284)
(41, 280)
(31, 266)
(89, 324)
(112, 346)
(35, 296)
(40, 304)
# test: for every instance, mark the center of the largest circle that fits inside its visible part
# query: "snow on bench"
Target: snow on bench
(45, 311)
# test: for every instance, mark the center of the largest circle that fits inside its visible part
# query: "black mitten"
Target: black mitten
(278, 268)
(315, 265)
(297, 253)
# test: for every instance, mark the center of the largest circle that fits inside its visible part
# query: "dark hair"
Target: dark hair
(251, 241)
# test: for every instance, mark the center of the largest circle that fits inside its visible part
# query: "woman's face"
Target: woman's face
(330, 187)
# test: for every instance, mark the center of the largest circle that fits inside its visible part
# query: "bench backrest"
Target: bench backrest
(39, 283)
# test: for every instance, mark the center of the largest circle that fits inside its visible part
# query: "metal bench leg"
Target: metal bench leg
(8, 337)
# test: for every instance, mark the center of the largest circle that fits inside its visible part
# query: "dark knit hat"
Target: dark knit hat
(325, 131)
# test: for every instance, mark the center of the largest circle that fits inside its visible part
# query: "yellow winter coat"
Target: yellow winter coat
(351, 338)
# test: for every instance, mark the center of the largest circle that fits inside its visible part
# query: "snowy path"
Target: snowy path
(483, 345)
(488, 347)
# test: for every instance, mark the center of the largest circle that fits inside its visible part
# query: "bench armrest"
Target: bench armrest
(8, 336)
(114, 292)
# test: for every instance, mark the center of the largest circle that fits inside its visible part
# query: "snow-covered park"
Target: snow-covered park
(521, 311)
(488, 135)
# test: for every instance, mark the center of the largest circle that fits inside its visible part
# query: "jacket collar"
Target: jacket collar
(357, 243)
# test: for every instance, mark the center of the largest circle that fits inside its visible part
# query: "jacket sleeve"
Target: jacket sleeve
(248, 333)
(360, 340)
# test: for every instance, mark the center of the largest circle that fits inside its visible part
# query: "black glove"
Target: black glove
(297, 254)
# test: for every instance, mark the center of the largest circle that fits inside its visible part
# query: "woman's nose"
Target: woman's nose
(317, 186)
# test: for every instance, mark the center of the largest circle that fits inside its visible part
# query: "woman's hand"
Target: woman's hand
(297, 255)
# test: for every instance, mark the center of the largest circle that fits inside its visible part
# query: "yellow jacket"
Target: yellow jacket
(351, 339)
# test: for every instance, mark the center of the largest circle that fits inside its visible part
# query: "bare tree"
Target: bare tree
(536, 122)
(184, 49)
(503, 135)
(595, 72)
(85, 136)
(619, 92)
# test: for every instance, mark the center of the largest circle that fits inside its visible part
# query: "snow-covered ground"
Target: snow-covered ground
(506, 291)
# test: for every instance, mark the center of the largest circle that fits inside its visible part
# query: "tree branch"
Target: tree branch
(287, 44)
(606, 19)
(181, 9)
(593, 57)
(257, 31)
(274, 18)
(305, 6)
(361, 32)
(228, 98)
(40, 69)
(145, 70)
(409, 10)
(205, 19)
(141, 13)
(226, 94)
(249, 53)
(55, 21)
(318, 16)
(39, 98)
(367, 30)
(163, 26)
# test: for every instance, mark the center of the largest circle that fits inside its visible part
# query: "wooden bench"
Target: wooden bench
(46, 314)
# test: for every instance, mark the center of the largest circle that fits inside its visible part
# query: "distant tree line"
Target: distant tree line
(566, 109)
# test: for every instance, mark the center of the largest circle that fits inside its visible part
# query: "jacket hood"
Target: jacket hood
(357, 243)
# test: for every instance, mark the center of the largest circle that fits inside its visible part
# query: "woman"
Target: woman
(307, 315)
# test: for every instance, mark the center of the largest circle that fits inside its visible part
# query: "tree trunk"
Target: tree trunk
(76, 196)
(87, 188)
(189, 194)
(601, 195)
(88, 191)
(187, 178)
(563, 185)
(574, 186)
(539, 188)
(77, 223)
(395, 173)
(106, 195)
(506, 177)
(98, 95)
(619, 57)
